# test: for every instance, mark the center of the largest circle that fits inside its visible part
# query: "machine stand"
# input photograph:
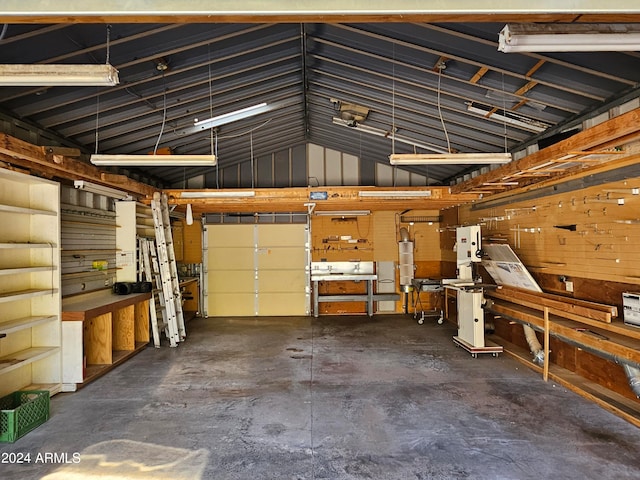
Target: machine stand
(493, 349)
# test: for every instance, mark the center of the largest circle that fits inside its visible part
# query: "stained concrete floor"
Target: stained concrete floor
(328, 398)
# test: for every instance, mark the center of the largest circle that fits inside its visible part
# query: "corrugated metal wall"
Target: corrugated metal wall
(301, 166)
(88, 226)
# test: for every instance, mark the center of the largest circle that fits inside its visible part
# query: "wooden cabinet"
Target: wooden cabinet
(30, 337)
(99, 331)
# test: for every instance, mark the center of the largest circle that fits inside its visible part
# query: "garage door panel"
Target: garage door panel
(224, 236)
(287, 258)
(231, 304)
(230, 258)
(281, 236)
(271, 281)
(225, 281)
(275, 255)
(278, 304)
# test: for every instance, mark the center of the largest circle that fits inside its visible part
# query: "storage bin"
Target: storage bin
(21, 412)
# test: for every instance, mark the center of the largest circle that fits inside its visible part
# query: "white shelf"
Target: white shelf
(25, 210)
(25, 357)
(30, 210)
(23, 323)
(27, 245)
(24, 294)
(15, 271)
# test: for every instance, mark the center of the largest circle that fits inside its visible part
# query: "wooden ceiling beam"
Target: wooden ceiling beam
(479, 74)
(149, 17)
(610, 133)
(279, 200)
(43, 160)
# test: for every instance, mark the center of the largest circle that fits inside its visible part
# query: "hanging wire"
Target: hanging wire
(97, 119)
(108, 43)
(213, 135)
(98, 95)
(252, 166)
(504, 114)
(216, 154)
(444, 128)
(164, 112)
(393, 108)
(393, 100)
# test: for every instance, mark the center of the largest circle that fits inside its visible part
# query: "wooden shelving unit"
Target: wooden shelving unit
(588, 326)
(30, 325)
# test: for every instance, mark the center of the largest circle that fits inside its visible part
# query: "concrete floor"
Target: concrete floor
(327, 398)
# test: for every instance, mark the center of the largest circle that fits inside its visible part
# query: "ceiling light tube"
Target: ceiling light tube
(49, 75)
(526, 124)
(153, 160)
(386, 134)
(569, 38)
(449, 158)
(342, 213)
(218, 194)
(100, 190)
(232, 116)
(395, 193)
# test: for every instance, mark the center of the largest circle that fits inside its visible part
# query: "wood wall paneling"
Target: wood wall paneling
(585, 236)
(334, 238)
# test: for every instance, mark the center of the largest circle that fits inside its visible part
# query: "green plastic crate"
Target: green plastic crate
(21, 412)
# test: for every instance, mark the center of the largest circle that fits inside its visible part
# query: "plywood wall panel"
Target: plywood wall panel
(604, 245)
(385, 237)
(192, 243)
(328, 238)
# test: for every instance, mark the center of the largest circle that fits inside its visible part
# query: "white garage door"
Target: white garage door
(257, 270)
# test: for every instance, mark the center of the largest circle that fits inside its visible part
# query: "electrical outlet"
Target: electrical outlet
(569, 286)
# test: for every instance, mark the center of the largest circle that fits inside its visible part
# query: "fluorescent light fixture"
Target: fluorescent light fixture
(217, 194)
(342, 213)
(153, 160)
(21, 75)
(520, 121)
(101, 190)
(232, 116)
(449, 158)
(386, 134)
(554, 37)
(395, 193)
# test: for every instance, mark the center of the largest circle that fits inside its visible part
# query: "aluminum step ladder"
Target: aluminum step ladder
(150, 270)
(168, 269)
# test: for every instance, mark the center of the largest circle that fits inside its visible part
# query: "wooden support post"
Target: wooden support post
(142, 321)
(98, 339)
(124, 328)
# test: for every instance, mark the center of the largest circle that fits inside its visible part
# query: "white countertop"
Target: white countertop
(336, 277)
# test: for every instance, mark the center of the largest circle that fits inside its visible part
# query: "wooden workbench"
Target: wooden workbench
(99, 331)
